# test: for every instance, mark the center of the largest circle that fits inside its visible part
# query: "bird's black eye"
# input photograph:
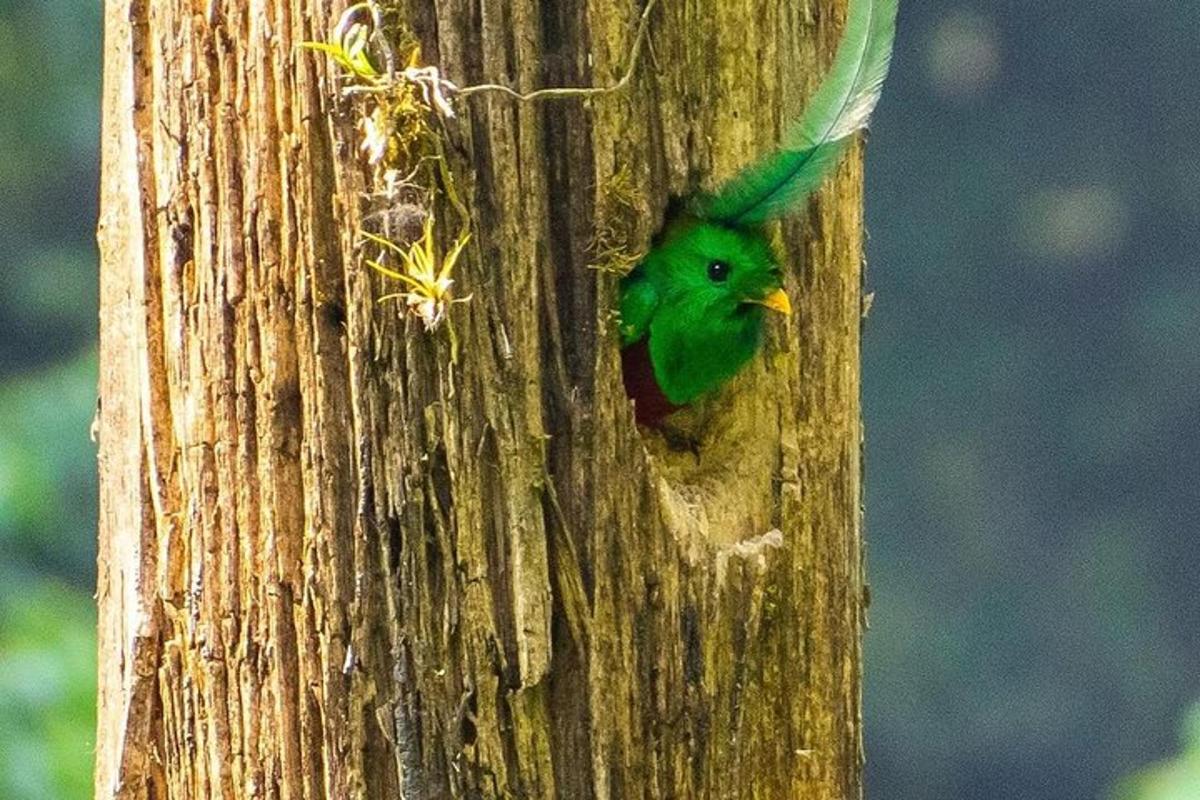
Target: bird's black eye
(718, 271)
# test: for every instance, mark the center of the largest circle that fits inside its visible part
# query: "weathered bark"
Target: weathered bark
(333, 564)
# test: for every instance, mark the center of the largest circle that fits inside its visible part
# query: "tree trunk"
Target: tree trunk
(335, 561)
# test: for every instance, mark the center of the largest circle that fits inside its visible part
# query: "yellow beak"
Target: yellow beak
(777, 301)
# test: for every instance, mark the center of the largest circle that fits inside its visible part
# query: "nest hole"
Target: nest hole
(717, 463)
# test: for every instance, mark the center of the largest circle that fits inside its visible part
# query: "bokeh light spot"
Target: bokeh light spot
(1074, 224)
(964, 54)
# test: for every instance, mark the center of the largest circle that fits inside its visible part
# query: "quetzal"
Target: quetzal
(692, 311)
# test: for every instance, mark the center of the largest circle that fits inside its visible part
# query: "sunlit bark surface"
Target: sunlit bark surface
(334, 563)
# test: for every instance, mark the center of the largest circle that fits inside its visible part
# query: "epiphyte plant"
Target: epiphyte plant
(692, 312)
(396, 133)
(426, 282)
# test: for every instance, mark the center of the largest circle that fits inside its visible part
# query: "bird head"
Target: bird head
(724, 274)
(714, 284)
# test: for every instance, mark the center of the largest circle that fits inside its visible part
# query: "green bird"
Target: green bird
(692, 311)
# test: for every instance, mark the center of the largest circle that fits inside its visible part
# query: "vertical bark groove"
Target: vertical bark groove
(333, 562)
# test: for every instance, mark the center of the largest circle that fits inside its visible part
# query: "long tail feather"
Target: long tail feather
(841, 107)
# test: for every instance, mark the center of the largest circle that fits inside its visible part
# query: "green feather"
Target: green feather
(841, 107)
(638, 301)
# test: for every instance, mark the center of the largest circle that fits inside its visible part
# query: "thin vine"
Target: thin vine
(635, 55)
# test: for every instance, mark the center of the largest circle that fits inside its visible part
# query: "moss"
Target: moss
(615, 245)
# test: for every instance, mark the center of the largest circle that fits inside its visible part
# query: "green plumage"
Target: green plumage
(694, 306)
(671, 296)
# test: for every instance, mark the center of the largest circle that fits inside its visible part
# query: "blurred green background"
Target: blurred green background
(1031, 380)
(1032, 364)
(49, 135)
